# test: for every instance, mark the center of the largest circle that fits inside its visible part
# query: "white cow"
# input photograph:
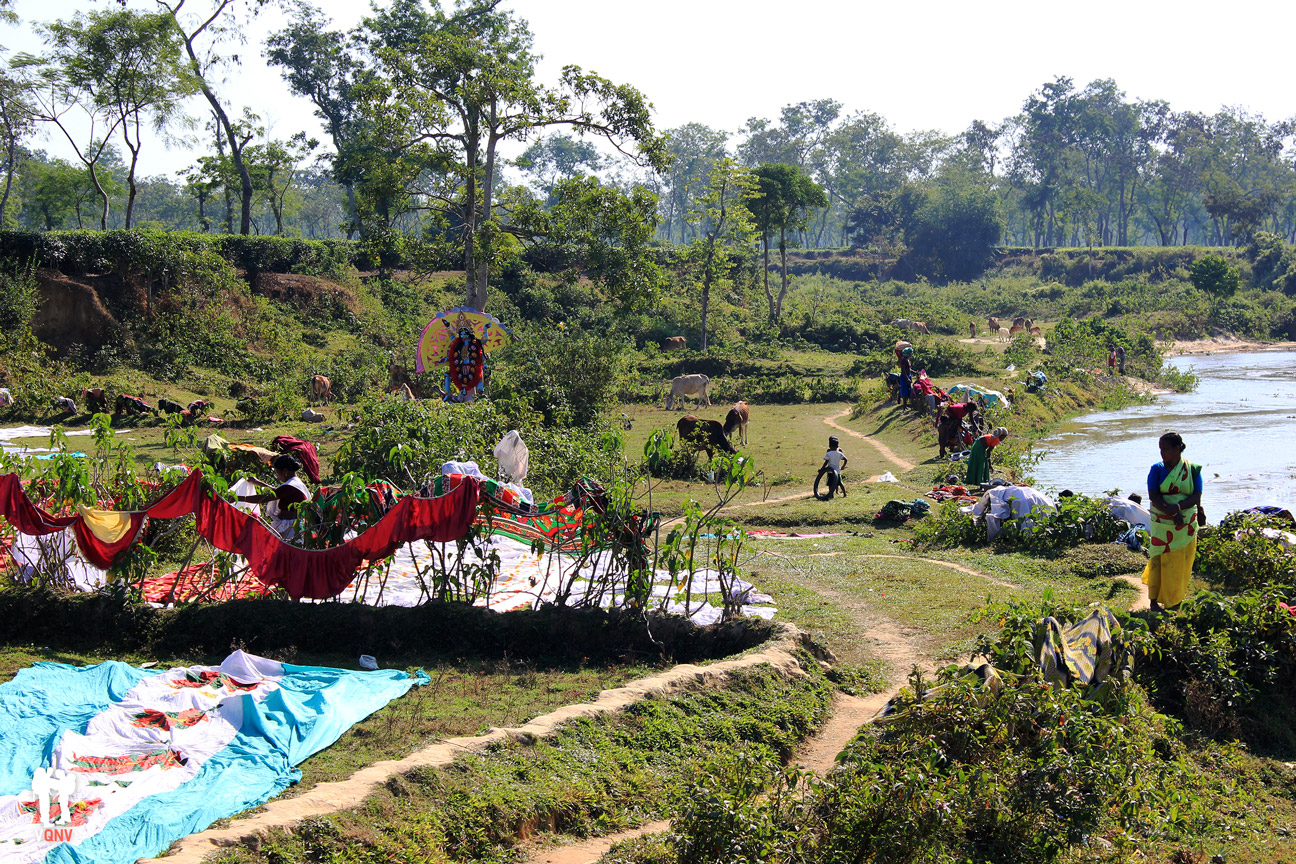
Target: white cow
(1004, 335)
(906, 324)
(689, 385)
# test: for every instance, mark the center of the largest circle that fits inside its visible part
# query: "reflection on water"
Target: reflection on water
(1236, 425)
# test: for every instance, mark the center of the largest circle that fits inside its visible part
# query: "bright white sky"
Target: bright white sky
(922, 65)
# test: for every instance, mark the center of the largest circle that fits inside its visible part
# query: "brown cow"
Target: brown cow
(1036, 331)
(1028, 324)
(674, 343)
(992, 324)
(95, 399)
(1019, 321)
(971, 329)
(737, 418)
(705, 435)
(1015, 329)
(321, 388)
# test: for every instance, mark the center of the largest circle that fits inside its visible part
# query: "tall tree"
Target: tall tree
(559, 157)
(274, 166)
(782, 196)
(725, 230)
(463, 84)
(692, 149)
(129, 64)
(17, 118)
(319, 64)
(201, 36)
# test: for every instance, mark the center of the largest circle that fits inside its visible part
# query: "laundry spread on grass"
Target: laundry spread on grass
(125, 761)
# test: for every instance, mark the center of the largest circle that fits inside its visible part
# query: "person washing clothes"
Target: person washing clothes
(978, 470)
(281, 500)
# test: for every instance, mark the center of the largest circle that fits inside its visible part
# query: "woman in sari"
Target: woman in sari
(1175, 490)
(978, 470)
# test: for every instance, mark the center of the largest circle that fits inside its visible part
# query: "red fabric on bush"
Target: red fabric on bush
(97, 552)
(313, 573)
(305, 452)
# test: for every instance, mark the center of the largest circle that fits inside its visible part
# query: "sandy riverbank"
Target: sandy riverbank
(1222, 345)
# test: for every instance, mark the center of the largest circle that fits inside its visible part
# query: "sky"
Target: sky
(921, 65)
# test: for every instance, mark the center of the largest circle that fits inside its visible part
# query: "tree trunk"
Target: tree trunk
(488, 181)
(353, 219)
(472, 137)
(130, 176)
(768, 296)
(778, 312)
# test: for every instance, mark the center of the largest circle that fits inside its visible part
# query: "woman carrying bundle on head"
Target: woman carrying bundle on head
(978, 470)
(1175, 491)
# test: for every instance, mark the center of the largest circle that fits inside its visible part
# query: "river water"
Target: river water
(1239, 425)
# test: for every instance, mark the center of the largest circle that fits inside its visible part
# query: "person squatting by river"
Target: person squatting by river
(978, 469)
(949, 424)
(1175, 490)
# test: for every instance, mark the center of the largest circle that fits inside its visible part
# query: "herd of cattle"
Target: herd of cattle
(708, 435)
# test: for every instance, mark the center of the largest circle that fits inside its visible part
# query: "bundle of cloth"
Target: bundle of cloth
(1001, 503)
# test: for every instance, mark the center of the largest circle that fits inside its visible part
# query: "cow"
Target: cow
(309, 415)
(705, 435)
(674, 343)
(65, 405)
(1015, 329)
(198, 406)
(992, 324)
(403, 393)
(321, 388)
(1027, 323)
(169, 407)
(1036, 331)
(689, 385)
(95, 399)
(398, 375)
(127, 404)
(906, 324)
(737, 418)
(971, 329)
(1004, 335)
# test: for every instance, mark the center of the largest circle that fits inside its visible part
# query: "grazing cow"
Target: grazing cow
(705, 435)
(321, 388)
(906, 324)
(971, 329)
(1019, 321)
(169, 407)
(992, 324)
(1004, 335)
(95, 399)
(398, 375)
(127, 404)
(697, 386)
(66, 405)
(311, 416)
(1015, 329)
(1036, 331)
(1027, 323)
(737, 418)
(403, 393)
(674, 343)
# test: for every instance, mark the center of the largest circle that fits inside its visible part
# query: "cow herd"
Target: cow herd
(708, 435)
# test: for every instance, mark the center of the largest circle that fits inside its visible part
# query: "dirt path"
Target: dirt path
(950, 564)
(1143, 602)
(590, 851)
(887, 452)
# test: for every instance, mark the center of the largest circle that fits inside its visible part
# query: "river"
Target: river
(1236, 424)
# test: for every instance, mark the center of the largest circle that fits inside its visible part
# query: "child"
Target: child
(835, 460)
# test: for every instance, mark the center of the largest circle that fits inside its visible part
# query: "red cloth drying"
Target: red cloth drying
(313, 573)
(25, 516)
(97, 552)
(305, 450)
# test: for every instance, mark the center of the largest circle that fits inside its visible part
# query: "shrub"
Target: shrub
(1236, 555)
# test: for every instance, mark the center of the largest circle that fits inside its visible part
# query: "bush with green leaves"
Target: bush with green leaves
(1214, 275)
(1076, 520)
(569, 378)
(1236, 554)
(406, 442)
(1227, 665)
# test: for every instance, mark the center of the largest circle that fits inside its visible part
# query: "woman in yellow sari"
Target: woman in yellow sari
(1175, 490)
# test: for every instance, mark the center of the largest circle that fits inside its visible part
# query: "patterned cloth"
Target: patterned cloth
(1082, 654)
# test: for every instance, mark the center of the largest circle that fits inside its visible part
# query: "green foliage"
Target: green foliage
(1226, 665)
(1213, 275)
(570, 378)
(955, 229)
(407, 442)
(1235, 555)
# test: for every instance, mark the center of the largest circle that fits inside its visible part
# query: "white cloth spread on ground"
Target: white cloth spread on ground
(1008, 502)
(526, 580)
